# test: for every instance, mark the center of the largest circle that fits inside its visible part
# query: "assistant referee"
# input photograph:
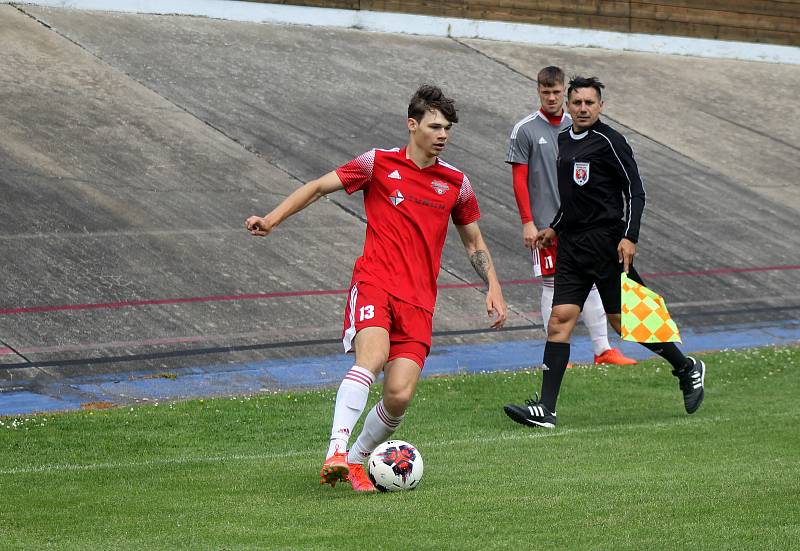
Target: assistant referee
(602, 200)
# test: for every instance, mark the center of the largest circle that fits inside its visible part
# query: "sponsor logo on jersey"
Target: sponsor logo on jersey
(395, 175)
(580, 173)
(396, 198)
(439, 187)
(542, 141)
(430, 203)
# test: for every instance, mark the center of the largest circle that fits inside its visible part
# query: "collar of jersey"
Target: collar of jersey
(580, 136)
(555, 121)
(412, 163)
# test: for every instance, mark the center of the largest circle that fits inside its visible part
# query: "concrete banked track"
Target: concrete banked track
(134, 146)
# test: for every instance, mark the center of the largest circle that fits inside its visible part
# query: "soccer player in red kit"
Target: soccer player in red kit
(409, 197)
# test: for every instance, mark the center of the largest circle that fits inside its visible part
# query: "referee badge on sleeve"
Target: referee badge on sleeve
(580, 173)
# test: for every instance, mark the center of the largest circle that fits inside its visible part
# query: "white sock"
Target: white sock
(594, 318)
(547, 301)
(379, 425)
(350, 403)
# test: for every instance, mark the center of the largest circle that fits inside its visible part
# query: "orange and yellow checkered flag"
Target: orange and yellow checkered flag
(644, 315)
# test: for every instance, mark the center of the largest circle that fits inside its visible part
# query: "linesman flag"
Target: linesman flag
(644, 315)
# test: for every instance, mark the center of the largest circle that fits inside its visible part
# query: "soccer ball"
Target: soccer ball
(395, 465)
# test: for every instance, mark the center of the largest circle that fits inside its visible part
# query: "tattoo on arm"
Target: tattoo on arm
(480, 261)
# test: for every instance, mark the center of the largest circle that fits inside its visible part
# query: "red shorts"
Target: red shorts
(544, 260)
(409, 326)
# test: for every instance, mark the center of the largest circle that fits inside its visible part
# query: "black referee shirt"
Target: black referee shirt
(598, 182)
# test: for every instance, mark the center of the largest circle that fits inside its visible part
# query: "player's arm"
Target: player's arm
(519, 173)
(634, 199)
(626, 250)
(546, 236)
(297, 201)
(633, 191)
(481, 260)
(520, 148)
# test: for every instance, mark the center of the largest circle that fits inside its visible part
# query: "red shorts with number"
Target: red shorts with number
(544, 260)
(409, 326)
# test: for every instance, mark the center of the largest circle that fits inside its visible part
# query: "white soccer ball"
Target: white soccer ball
(395, 465)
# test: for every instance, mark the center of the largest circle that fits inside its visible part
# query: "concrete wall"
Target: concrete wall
(764, 21)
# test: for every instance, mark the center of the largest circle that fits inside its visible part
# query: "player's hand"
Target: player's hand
(258, 226)
(626, 250)
(529, 232)
(545, 238)
(496, 308)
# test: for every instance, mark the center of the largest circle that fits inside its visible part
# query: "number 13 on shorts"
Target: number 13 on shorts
(366, 312)
(409, 326)
(367, 306)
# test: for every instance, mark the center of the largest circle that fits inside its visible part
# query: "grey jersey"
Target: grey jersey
(534, 141)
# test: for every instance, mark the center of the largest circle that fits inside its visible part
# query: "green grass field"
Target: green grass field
(625, 469)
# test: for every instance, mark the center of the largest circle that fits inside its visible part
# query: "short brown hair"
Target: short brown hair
(586, 82)
(428, 98)
(550, 76)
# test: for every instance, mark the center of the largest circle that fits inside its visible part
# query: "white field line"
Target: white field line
(533, 434)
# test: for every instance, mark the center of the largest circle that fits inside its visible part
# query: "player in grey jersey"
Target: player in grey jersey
(532, 153)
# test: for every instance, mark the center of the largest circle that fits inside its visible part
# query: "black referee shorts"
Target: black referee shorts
(590, 258)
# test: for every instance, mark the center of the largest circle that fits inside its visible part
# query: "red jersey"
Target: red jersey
(408, 209)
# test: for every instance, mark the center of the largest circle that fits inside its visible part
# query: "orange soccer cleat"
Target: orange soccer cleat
(614, 356)
(334, 469)
(359, 479)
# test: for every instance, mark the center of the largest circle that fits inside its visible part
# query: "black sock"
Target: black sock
(670, 352)
(556, 356)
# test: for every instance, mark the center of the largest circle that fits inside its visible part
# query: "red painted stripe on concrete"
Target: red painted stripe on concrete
(152, 302)
(263, 296)
(723, 271)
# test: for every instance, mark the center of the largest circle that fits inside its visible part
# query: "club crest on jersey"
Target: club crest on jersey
(396, 197)
(439, 187)
(580, 173)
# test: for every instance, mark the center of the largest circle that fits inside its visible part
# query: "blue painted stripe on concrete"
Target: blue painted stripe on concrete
(328, 370)
(522, 354)
(25, 402)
